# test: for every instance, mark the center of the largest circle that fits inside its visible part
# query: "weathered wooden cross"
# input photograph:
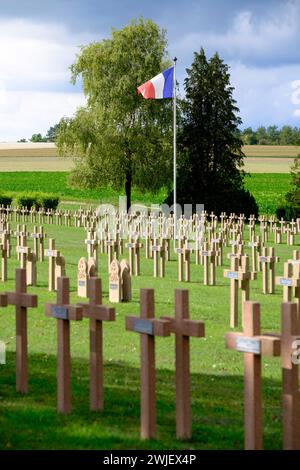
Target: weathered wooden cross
(97, 313)
(183, 328)
(52, 254)
(148, 327)
(254, 346)
(22, 301)
(64, 313)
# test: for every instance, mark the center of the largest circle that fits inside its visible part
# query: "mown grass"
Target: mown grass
(31, 421)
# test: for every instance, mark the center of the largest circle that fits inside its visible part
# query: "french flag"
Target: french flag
(158, 87)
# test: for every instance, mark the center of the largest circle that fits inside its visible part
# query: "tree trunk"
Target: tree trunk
(128, 190)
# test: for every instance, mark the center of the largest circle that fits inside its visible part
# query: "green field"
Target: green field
(31, 422)
(268, 189)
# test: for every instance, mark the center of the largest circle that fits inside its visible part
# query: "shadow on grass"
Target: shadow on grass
(31, 421)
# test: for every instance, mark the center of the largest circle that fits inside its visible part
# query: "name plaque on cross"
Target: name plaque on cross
(285, 281)
(130, 245)
(156, 248)
(21, 249)
(35, 235)
(59, 312)
(232, 275)
(204, 253)
(113, 286)
(81, 283)
(250, 345)
(90, 242)
(263, 259)
(49, 253)
(143, 326)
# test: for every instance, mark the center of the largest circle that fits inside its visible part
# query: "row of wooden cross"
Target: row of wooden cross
(251, 342)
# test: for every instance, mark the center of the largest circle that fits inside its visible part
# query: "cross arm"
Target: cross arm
(265, 345)
(287, 281)
(150, 326)
(64, 312)
(98, 312)
(3, 300)
(186, 327)
(22, 299)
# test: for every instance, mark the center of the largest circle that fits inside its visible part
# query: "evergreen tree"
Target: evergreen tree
(210, 148)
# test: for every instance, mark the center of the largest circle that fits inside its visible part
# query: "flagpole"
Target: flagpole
(174, 153)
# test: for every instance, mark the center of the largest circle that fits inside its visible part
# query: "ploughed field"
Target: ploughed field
(43, 157)
(31, 421)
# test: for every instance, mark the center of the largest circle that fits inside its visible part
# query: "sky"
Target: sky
(39, 40)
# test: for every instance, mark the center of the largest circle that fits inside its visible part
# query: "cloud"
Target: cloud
(23, 113)
(36, 55)
(35, 89)
(253, 38)
(266, 95)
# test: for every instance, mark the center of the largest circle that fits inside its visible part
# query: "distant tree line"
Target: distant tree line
(49, 137)
(271, 135)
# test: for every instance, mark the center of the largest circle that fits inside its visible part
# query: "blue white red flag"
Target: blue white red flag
(158, 87)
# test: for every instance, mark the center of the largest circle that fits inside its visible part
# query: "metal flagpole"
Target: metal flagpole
(174, 152)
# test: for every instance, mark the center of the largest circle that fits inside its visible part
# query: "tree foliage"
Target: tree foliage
(290, 207)
(271, 135)
(118, 138)
(210, 150)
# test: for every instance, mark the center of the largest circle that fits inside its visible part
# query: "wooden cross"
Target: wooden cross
(158, 255)
(97, 313)
(183, 328)
(277, 235)
(111, 246)
(52, 254)
(134, 247)
(64, 313)
(23, 252)
(92, 245)
(290, 373)
(217, 246)
(148, 327)
(184, 259)
(235, 275)
(4, 253)
(208, 260)
(38, 242)
(254, 245)
(22, 301)
(268, 267)
(21, 239)
(253, 345)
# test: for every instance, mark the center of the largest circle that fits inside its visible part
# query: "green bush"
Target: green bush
(48, 201)
(288, 211)
(37, 200)
(5, 200)
(28, 200)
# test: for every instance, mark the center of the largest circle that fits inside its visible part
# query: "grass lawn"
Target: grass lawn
(31, 421)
